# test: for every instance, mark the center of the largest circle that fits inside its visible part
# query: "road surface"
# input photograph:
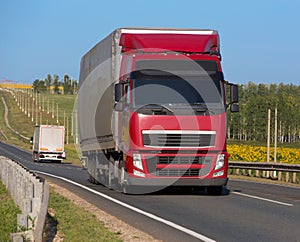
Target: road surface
(246, 211)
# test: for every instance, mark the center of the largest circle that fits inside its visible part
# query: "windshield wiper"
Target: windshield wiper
(201, 108)
(156, 106)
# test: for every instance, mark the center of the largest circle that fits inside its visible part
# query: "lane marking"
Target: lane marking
(263, 199)
(150, 215)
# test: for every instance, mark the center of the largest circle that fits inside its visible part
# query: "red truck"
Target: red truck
(152, 110)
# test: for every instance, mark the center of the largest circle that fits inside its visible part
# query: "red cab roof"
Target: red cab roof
(182, 41)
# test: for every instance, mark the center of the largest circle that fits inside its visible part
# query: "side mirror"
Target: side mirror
(234, 93)
(234, 98)
(234, 108)
(119, 92)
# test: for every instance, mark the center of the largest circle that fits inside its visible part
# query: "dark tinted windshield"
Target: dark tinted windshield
(177, 82)
(174, 90)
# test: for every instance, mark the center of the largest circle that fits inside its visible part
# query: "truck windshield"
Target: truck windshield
(177, 91)
(177, 83)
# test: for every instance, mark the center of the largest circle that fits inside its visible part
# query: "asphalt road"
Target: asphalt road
(246, 211)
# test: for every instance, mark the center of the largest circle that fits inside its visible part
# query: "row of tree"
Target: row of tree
(251, 123)
(55, 85)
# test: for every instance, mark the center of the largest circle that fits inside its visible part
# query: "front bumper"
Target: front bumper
(166, 182)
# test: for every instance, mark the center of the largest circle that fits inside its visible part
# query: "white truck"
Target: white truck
(48, 143)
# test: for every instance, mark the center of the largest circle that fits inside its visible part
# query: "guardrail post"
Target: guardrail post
(257, 173)
(273, 174)
(22, 221)
(279, 176)
(237, 171)
(294, 177)
(287, 176)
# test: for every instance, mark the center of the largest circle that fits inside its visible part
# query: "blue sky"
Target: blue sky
(260, 39)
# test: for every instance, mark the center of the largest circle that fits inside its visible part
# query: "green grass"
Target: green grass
(76, 224)
(8, 215)
(24, 125)
(18, 122)
(72, 155)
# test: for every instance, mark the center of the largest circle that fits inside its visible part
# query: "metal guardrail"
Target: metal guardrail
(31, 194)
(269, 170)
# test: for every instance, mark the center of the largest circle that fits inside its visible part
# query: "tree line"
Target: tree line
(55, 85)
(251, 123)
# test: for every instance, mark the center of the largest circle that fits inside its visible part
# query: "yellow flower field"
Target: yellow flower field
(259, 154)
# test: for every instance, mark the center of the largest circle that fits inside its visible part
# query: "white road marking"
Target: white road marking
(263, 199)
(152, 216)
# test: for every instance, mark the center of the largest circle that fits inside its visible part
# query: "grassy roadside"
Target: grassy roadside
(20, 122)
(8, 214)
(72, 222)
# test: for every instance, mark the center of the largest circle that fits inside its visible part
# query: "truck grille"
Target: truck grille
(185, 162)
(180, 159)
(178, 172)
(177, 139)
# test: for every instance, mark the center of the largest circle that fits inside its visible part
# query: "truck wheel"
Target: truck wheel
(214, 190)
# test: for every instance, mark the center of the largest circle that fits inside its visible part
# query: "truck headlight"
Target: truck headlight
(138, 173)
(219, 173)
(137, 161)
(220, 161)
